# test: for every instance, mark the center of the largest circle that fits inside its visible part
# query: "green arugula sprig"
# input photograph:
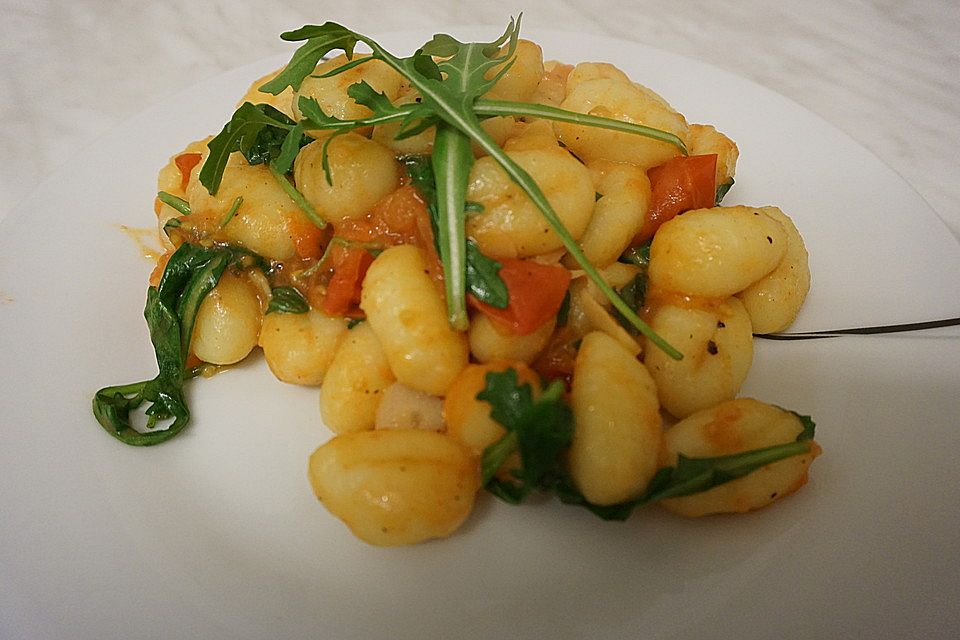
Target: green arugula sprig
(542, 429)
(539, 429)
(482, 274)
(634, 293)
(264, 135)
(181, 205)
(171, 310)
(451, 78)
(287, 300)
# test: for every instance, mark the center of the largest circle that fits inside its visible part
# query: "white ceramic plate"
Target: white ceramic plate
(216, 534)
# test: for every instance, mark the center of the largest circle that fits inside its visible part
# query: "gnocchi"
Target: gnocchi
(477, 302)
(408, 316)
(716, 252)
(716, 339)
(396, 486)
(355, 382)
(774, 300)
(299, 347)
(616, 444)
(612, 97)
(733, 427)
(361, 172)
(228, 322)
(511, 225)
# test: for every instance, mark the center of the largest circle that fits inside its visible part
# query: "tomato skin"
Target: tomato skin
(350, 265)
(400, 217)
(678, 185)
(536, 292)
(186, 162)
(308, 238)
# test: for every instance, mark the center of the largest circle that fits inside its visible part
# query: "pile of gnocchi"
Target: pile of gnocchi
(398, 384)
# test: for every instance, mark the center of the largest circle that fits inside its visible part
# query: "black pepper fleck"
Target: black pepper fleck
(712, 348)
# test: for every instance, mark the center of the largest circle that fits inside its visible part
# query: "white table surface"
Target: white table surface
(886, 72)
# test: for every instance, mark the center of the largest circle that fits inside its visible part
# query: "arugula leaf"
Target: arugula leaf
(265, 146)
(634, 292)
(638, 256)
(171, 310)
(539, 429)
(452, 160)
(809, 427)
(694, 475)
(231, 212)
(420, 172)
(482, 273)
(260, 133)
(722, 190)
(321, 40)
(295, 140)
(287, 300)
(483, 278)
(450, 88)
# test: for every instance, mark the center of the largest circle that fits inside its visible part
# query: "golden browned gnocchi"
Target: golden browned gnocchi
(396, 486)
(521, 80)
(616, 443)
(716, 339)
(361, 172)
(299, 347)
(510, 225)
(468, 418)
(355, 382)
(331, 92)
(624, 197)
(716, 252)
(408, 316)
(734, 427)
(490, 342)
(774, 300)
(468, 329)
(612, 97)
(705, 139)
(265, 221)
(228, 321)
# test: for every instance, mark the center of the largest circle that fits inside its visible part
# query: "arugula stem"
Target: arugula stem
(715, 471)
(297, 197)
(463, 118)
(450, 91)
(491, 108)
(496, 454)
(317, 120)
(181, 205)
(530, 186)
(232, 212)
(452, 159)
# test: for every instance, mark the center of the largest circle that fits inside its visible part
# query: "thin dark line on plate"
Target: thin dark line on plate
(863, 331)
